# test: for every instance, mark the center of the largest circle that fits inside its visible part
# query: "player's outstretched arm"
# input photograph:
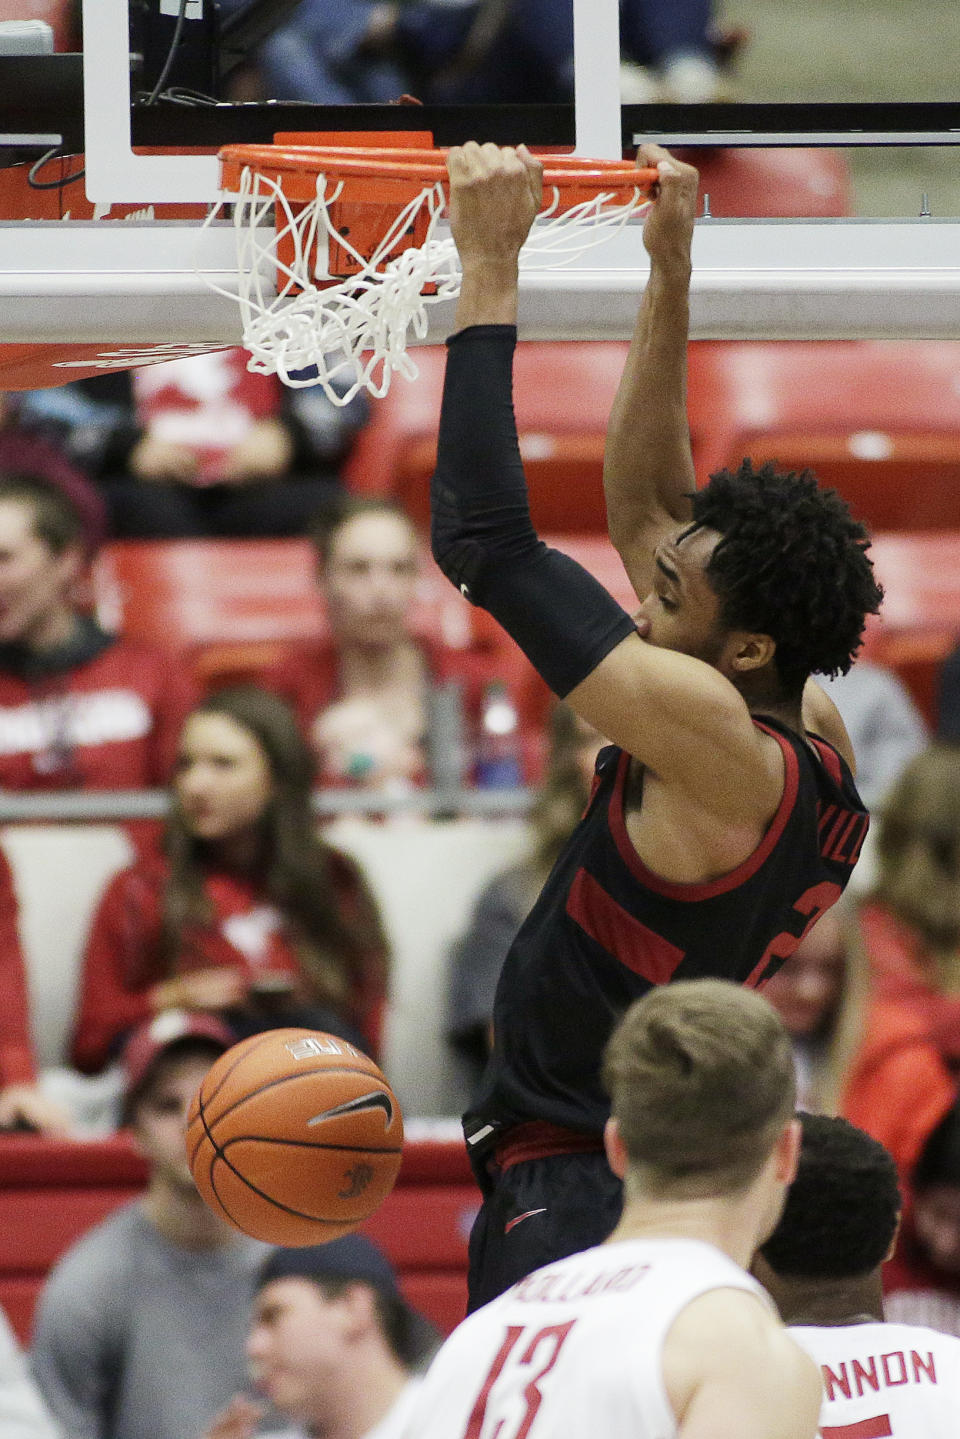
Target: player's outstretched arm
(648, 467)
(732, 1371)
(675, 714)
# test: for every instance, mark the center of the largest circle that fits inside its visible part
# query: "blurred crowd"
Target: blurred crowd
(237, 909)
(456, 52)
(237, 914)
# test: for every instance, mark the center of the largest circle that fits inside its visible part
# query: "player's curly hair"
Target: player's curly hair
(792, 564)
(842, 1208)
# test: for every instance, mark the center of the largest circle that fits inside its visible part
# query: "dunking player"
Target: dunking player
(823, 1265)
(720, 827)
(658, 1331)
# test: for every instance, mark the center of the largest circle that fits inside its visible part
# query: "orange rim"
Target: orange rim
(426, 167)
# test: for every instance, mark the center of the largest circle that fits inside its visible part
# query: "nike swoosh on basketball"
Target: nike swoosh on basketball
(527, 1214)
(354, 1106)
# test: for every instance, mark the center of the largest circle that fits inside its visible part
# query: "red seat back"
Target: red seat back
(563, 395)
(880, 421)
(52, 1192)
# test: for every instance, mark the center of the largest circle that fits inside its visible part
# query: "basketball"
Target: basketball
(294, 1137)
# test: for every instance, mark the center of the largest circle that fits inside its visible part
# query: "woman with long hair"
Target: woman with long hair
(247, 913)
(904, 1078)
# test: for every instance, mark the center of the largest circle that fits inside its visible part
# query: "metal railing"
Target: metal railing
(119, 806)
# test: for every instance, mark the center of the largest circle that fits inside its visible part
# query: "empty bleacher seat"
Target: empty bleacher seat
(53, 1191)
(563, 395)
(879, 421)
(919, 624)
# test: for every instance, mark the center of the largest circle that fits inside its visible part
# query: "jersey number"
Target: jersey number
(876, 1428)
(811, 904)
(542, 1351)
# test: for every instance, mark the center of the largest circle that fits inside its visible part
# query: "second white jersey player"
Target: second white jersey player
(885, 1381)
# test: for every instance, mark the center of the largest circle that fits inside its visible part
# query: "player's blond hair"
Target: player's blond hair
(701, 1077)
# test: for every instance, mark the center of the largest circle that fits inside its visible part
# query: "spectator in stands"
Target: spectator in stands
(885, 727)
(484, 51)
(248, 914)
(506, 901)
(335, 54)
(332, 1346)
(140, 1328)
(522, 50)
(23, 1105)
(79, 708)
(201, 446)
(364, 694)
(819, 995)
(903, 1078)
(26, 450)
(923, 1279)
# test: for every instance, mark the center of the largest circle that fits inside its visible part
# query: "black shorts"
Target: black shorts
(536, 1212)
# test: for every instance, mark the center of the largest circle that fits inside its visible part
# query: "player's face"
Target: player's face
(682, 611)
(223, 779)
(160, 1117)
(34, 582)
(298, 1342)
(936, 1218)
(370, 579)
(806, 990)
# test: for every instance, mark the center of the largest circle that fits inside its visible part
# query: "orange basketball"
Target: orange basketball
(294, 1137)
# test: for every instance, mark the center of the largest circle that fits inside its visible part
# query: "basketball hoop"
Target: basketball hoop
(351, 234)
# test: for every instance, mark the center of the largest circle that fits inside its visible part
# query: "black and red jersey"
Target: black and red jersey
(606, 928)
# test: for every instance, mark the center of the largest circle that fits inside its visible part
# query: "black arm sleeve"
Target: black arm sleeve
(483, 539)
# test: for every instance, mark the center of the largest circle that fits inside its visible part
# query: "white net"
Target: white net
(352, 334)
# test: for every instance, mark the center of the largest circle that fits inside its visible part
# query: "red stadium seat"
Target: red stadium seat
(52, 1191)
(920, 621)
(563, 395)
(879, 421)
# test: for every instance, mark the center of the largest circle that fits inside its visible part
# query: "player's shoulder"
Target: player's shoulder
(730, 1334)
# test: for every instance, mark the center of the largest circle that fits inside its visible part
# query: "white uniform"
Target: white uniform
(573, 1349)
(883, 1380)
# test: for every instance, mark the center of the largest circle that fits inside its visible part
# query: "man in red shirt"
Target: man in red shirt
(79, 708)
(364, 693)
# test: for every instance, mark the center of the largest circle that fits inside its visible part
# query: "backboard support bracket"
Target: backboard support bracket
(114, 173)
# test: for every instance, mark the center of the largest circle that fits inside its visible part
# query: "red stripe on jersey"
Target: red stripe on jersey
(692, 892)
(621, 934)
(876, 1428)
(831, 760)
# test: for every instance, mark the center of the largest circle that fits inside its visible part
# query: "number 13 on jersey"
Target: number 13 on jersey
(522, 1363)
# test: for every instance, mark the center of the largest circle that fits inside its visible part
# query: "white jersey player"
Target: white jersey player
(823, 1267)
(581, 1347)
(885, 1381)
(660, 1332)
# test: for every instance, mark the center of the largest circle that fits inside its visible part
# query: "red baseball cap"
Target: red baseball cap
(152, 1040)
